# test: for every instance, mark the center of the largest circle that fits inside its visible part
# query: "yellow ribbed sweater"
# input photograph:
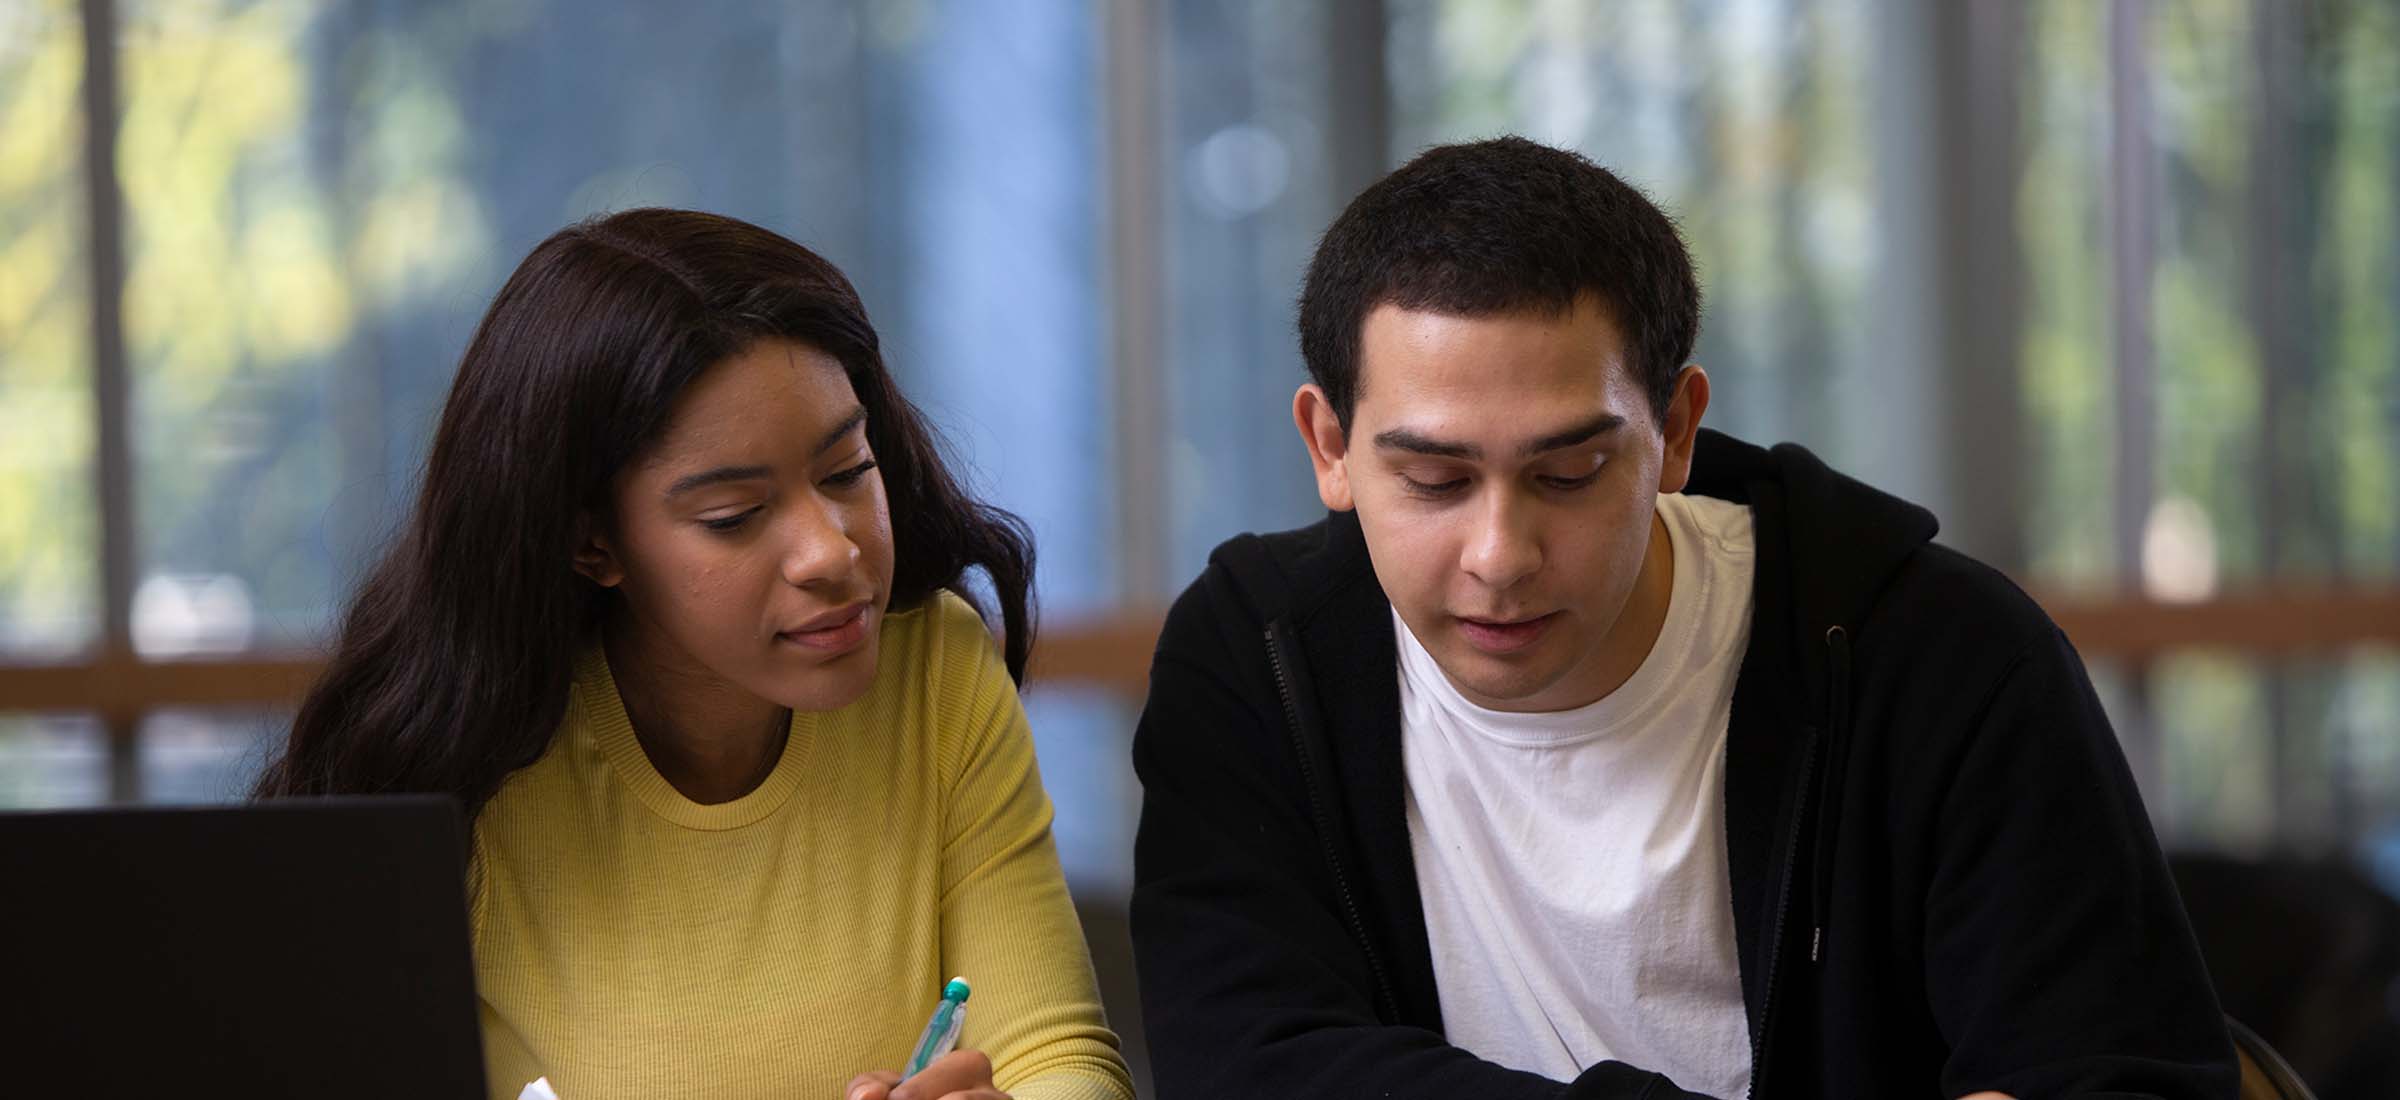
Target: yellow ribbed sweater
(632, 943)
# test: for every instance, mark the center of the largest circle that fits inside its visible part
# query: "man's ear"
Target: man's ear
(1682, 428)
(1328, 445)
(595, 556)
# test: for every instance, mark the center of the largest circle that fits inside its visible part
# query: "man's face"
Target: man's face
(1505, 470)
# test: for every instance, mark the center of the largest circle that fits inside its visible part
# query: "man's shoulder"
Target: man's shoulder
(1234, 595)
(1260, 577)
(1941, 586)
(1948, 618)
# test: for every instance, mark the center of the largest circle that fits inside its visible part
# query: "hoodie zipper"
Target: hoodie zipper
(1783, 906)
(1324, 821)
(1837, 644)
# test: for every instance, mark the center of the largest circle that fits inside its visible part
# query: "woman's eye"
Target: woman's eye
(729, 523)
(851, 476)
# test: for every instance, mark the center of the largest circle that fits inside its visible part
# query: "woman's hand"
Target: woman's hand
(958, 1075)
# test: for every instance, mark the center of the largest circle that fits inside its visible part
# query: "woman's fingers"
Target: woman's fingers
(960, 1071)
(871, 1085)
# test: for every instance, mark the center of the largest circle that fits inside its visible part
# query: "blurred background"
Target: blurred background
(2112, 285)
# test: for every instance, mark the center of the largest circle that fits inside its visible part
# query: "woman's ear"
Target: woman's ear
(595, 557)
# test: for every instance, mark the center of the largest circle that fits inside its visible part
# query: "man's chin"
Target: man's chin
(1500, 683)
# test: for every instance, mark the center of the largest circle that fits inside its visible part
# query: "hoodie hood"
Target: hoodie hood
(1843, 540)
(1846, 536)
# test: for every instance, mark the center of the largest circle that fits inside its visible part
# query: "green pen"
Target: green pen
(941, 1032)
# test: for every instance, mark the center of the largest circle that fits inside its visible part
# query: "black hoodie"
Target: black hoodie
(1942, 877)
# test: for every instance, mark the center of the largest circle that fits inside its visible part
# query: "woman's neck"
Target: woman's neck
(711, 740)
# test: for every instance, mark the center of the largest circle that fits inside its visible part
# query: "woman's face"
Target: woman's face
(752, 543)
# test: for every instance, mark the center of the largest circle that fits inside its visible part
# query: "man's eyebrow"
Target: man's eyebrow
(1581, 433)
(1404, 439)
(724, 474)
(1408, 439)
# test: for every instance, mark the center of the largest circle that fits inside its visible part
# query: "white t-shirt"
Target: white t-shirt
(1572, 863)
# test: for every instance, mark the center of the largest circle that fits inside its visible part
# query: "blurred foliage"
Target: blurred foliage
(2249, 754)
(303, 182)
(49, 579)
(291, 175)
(1746, 118)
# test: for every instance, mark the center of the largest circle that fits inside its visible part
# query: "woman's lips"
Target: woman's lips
(1504, 637)
(834, 631)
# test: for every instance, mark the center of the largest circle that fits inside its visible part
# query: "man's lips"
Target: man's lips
(1503, 636)
(840, 628)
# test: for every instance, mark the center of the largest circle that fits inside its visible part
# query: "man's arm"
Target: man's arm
(1251, 983)
(2058, 958)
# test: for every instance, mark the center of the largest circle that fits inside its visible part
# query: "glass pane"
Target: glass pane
(2365, 712)
(1745, 118)
(983, 183)
(49, 524)
(2272, 147)
(1084, 740)
(2217, 754)
(200, 756)
(2062, 226)
(52, 761)
(1248, 190)
(239, 305)
(2119, 694)
(2209, 380)
(2276, 445)
(2294, 755)
(2356, 288)
(323, 197)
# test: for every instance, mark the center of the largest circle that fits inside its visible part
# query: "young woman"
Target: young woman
(680, 616)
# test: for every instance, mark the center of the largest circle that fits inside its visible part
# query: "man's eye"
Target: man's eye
(1434, 489)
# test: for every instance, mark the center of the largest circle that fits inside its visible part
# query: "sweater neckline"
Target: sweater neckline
(603, 715)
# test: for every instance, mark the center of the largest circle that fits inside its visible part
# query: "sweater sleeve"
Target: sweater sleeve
(1008, 924)
(2058, 958)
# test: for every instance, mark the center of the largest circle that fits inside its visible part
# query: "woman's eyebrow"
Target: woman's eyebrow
(717, 476)
(857, 417)
(722, 474)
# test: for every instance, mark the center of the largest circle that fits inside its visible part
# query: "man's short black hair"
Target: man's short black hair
(1493, 227)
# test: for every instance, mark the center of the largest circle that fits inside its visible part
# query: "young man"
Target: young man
(1581, 752)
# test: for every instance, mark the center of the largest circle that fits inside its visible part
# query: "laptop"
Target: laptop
(309, 947)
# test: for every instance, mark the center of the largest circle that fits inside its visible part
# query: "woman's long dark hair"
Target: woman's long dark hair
(455, 656)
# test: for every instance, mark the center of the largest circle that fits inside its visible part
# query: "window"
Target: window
(319, 200)
(2112, 286)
